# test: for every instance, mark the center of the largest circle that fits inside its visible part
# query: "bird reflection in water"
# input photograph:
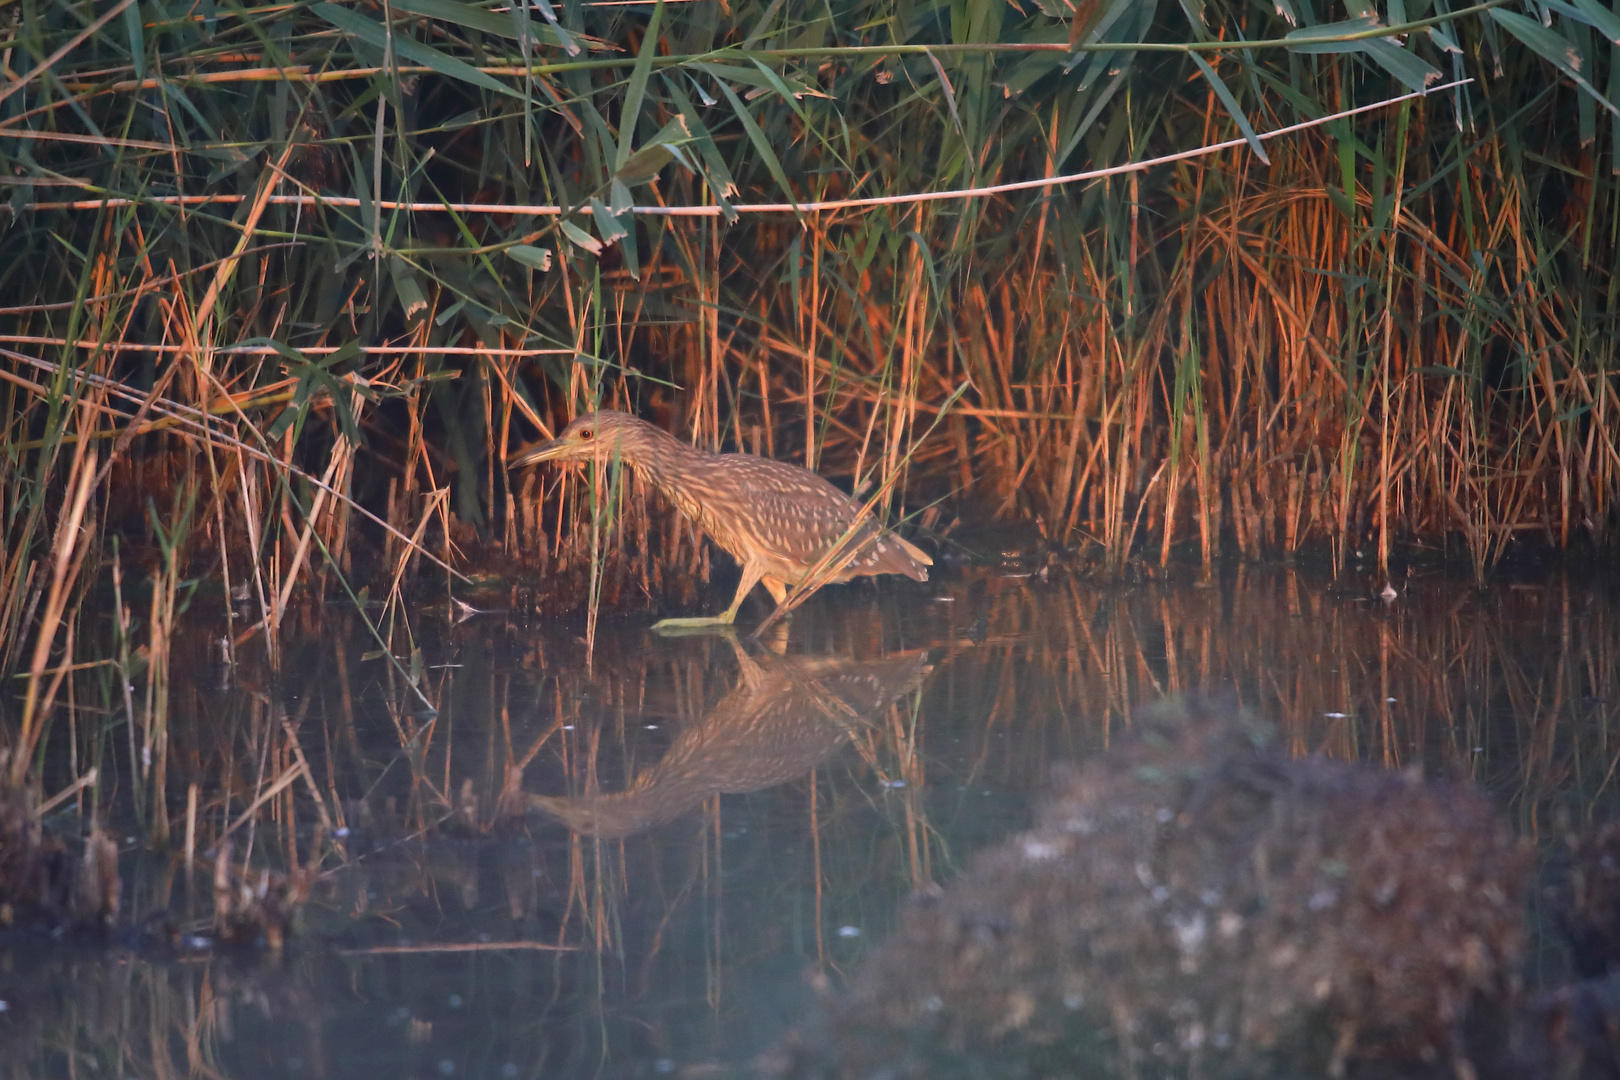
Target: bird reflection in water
(785, 716)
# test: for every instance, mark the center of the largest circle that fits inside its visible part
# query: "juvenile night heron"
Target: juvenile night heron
(777, 520)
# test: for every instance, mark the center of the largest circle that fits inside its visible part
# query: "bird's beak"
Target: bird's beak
(546, 451)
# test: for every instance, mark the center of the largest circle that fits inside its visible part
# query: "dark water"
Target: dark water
(645, 866)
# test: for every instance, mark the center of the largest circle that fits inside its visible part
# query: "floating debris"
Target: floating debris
(257, 908)
(49, 880)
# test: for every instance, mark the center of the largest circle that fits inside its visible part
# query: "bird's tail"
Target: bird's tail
(918, 559)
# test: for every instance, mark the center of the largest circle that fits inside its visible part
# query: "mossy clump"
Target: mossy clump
(1588, 904)
(1194, 903)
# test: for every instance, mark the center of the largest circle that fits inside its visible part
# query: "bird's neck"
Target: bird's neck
(664, 460)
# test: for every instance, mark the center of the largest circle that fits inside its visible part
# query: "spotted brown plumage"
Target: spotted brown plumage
(777, 520)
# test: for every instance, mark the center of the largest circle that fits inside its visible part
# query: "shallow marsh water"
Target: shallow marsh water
(644, 866)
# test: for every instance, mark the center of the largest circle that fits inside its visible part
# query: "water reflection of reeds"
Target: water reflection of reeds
(435, 870)
(1517, 688)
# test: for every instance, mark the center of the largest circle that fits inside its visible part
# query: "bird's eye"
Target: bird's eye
(585, 433)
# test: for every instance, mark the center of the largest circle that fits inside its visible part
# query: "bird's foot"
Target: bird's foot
(698, 624)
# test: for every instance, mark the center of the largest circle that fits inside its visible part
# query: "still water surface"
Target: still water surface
(645, 864)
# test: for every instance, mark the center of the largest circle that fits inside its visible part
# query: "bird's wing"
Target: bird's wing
(794, 517)
(780, 509)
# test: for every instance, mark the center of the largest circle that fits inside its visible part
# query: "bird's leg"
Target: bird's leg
(750, 577)
(777, 589)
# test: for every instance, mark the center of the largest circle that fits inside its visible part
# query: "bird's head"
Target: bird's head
(602, 434)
